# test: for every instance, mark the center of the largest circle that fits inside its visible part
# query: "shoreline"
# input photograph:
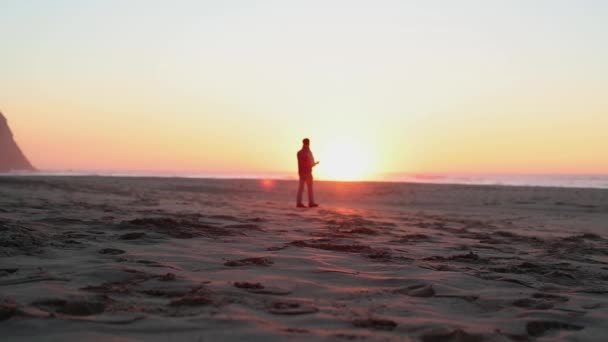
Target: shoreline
(294, 179)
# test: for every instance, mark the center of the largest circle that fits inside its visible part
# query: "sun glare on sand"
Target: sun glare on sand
(344, 160)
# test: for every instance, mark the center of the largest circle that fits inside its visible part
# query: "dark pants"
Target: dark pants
(306, 179)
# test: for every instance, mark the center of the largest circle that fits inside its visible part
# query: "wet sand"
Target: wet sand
(152, 259)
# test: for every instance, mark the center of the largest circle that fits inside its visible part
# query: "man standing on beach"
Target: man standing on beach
(306, 161)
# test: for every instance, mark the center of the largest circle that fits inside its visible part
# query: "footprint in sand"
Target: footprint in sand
(540, 301)
(529, 303)
(375, 323)
(538, 328)
(258, 288)
(420, 290)
(132, 236)
(275, 248)
(111, 251)
(247, 285)
(7, 271)
(291, 308)
(455, 335)
(7, 310)
(80, 307)
(193, 300)
(249, 262)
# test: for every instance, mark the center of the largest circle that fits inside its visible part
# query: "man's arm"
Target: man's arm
(312, 158)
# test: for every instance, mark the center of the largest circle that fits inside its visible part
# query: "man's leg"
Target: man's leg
(311, 194)
(300, 189)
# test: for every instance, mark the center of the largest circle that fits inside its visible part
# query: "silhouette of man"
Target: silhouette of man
(306, 161)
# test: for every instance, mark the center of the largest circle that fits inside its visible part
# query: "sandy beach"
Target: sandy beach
(153, 259)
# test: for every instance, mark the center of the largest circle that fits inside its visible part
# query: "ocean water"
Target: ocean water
(548, 180)
(566, 181)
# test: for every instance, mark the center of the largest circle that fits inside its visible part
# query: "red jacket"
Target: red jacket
(306, 161)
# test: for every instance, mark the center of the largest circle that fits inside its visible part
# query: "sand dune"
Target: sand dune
(136, 259)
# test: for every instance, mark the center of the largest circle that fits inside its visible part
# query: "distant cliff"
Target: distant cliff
(11, 157)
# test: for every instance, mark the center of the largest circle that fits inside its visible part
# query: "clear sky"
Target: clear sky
(378, 86)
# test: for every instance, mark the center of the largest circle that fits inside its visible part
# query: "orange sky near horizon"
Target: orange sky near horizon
(421, 87)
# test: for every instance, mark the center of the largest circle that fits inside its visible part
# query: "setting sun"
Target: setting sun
(344, 160)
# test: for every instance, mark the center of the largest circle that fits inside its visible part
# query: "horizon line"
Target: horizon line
(584, 181)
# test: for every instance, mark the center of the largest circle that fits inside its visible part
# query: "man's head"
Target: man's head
(306, 142)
